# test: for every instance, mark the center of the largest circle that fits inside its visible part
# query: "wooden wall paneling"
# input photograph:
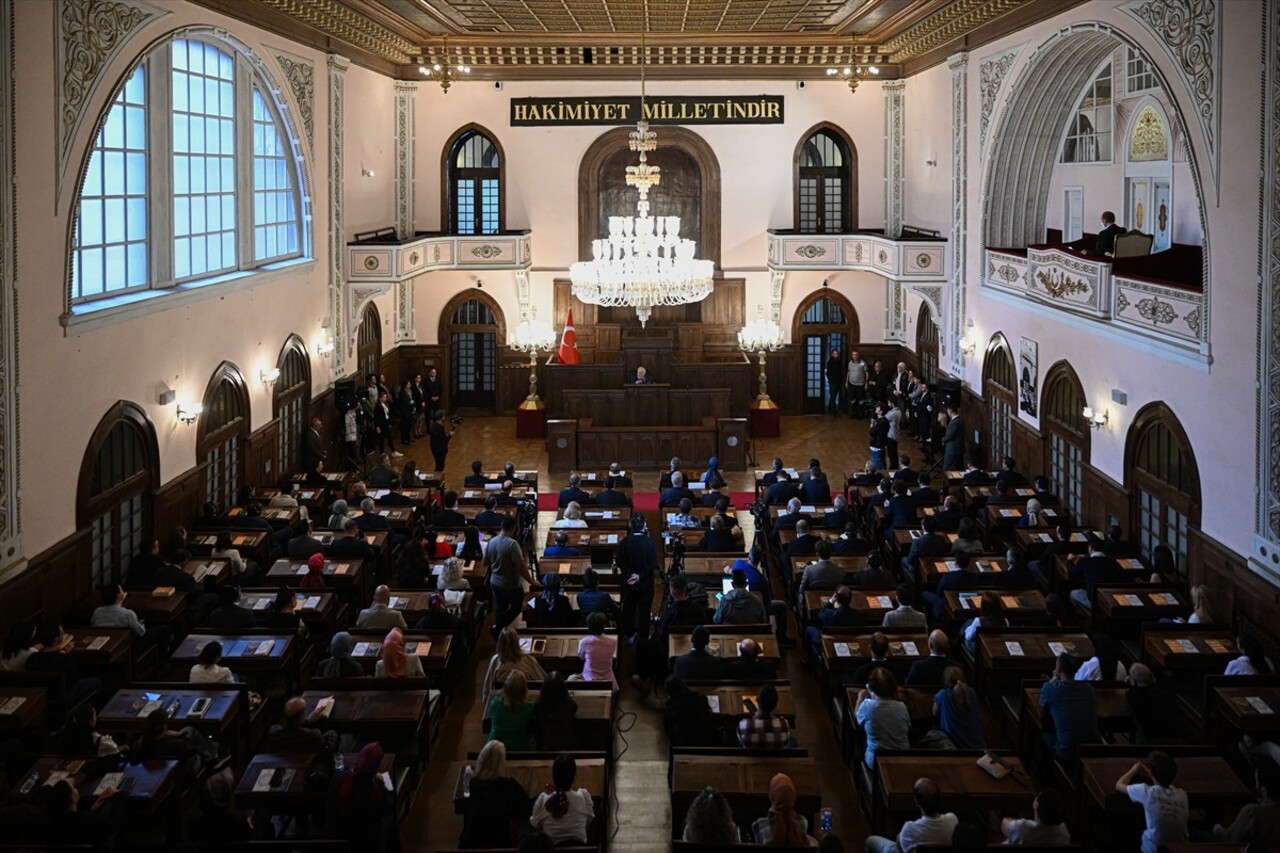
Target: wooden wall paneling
(1234, 589)
(727, 304)
(262, 455)
(1104, 499)
(179, 501)
(974, 414)
(689, 342)
(322, 407)
(784, 370)
(55, 581)
(608, 343)
(585, 318)
(1028, 448)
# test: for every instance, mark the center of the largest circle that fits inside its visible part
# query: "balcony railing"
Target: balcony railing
(911, 257)
(379, 258)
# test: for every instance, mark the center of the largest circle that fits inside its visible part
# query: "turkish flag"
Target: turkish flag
(569, 342)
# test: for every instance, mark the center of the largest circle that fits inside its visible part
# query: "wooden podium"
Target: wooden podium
(765, 417)
(531, 420)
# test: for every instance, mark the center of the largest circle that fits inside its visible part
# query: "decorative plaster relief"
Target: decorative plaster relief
(959, 65)
(300, 75)
(337, 223)
(893, 156)
(406, 92)
(1266, 549)
(991, 74)
(894, 311)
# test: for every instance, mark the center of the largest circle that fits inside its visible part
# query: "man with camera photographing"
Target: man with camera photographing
(441, 435)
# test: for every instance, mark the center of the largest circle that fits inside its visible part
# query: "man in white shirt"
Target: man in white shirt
(286, 500)
(1164, 806)
(932, 827)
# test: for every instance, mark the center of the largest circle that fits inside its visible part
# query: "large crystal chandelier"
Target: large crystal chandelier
(644, 261)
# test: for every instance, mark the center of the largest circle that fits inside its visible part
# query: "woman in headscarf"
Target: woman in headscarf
(396, 662)
(451, 576)
(1034, 516)
(314, 578)
(782, 827)
(712, 478)
(550, 608)
(340, 663)
(361, 809)
(337, 514)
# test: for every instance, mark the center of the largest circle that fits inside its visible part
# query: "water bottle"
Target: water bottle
(338, 762)
(467, 773)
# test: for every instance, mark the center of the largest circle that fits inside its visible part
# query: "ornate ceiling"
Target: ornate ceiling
(577, 39)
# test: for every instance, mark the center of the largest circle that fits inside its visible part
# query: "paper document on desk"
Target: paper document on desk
(1062, 648)
(968, 599)
(844, 650)
(311, 602)
(109, 780)
(1128, 600)
(98, 643)
(325, 707)
(12, 704)
(1259, 705)
(1045, 537)
(1014, 648)
(714, 702)
(949, 566)
(612, 539)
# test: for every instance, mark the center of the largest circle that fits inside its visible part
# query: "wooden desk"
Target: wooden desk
(1139, 603)
(420, 497)
(614, 516)
(587, 537)
(279, 516)
(294, 795)
(1236, 705)
(1209, 651)
(966, 785)
(153, 780)
(870, 603)
(699, 564)
(1010, 515)
(312, 605)
(725, 646)
(571, 570)
(101, 647)
(368, 649)
(344, 572)
(1016, 604)
(378, 713)
(851, 565)
(594, 720)
(219, 568)
(933, 568)
(479, 496)
(240, 652)
(534, 775)
(377, 539)
(528, 479)
(702, 513)
(904, 648)
(759, 476)
(1035, 653)
(744, 780)
(727, 699)
(787, 535)
(1131, 568)
(156, 609)
(904, 536)
(398, 517)
(127, 710)
(976, 493)
(252, 544)
(1208, 780)
(24, 708)
(1113, 709)
(814, 511)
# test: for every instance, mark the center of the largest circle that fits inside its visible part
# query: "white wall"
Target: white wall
(926, 197)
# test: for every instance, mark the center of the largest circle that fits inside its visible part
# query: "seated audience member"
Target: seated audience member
(53, 654)
(1257, 823)
(968, 541)
(849, 544)
(764, 729)
(709, 820)
(369, 520)
(1150, 703)
(497, 806)
(816, 489)
(563, 812)
(928, 671)
(449, 516)
(1047, 826)
(928, 544)
(619, 477)
(698, 664)
(990, 615)
(610, 496)
(676, 493)
(395, 661)
(949, 515)
(551, 609)
(874, 575)
(925, 494)
(555, 716)
(1042, 568)
(143, 567)
(19, 645)
(1252, 661)
(932, 828)
(1072, 710)
(718, 538)
(171, 574)
(360, 809)
(207, 669)
(882, 715)
(195, 750)
(340, 664)
(71, 820)
(1044, 491)
(820, 574)
(574, 493)
(351, 544)
(509, 658)
(229, 615)
(113, 614)
(438, 618)
(412, 570)
(1096, 569)
(80, 736)
(511, 713)
(1009, 474)
(1164, 806)
(436, 548)
(1034, 516)
(450, 576)
(292, 734)
(782, 491)
(740, 606)
(712, 478)
(751, 664)
(472, 545)
(651, 653)
(879, 644)
(597, 651)
(836, 612)
(683, 516)
(782, 827)
(687, 716)
(572, 517)
(905, 614)
(301, 545)
(1105, 664)
(1004, 495)
(839, 516)
(592, 599)
(1201, 614)
(380, 615)
(476, 479)
(490, 518)
(958, 711)
(314, 578)
(562, 548)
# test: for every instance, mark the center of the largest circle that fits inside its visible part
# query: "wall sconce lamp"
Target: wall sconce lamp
(967, 345)
(269, 375)
(1096, 418)
(324, 346)
(189, 413)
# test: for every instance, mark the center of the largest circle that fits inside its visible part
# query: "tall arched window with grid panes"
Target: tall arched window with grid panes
(826, 174)
(474, 183)
(927, 344)
(1163, 481)
(1000, 392)
(223, 428)
(118, 476)
(290, 396)
(1066, 435)
(194, 175)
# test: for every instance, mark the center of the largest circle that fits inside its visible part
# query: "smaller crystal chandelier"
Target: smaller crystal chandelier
(761, 336)
(852, 73)
(533, 336)
(445, 71)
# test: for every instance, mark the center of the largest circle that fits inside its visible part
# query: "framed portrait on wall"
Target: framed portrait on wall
(1028, 382)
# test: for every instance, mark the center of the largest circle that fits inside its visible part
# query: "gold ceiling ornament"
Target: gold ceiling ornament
(445, 70)
(851, 72)
(644, 261)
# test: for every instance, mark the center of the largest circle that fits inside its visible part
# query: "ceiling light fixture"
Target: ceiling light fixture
(644, 261)
(853, 73)
(445, 70)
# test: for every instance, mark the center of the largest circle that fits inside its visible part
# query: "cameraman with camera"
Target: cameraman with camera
(440, 436)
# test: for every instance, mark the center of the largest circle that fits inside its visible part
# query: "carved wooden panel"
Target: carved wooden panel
(608, 342)
(726, 306)
(262, 450)
(689, 342)
(974, 414)
(55, 581)
(1103, 499)
(1028, 448)
(179, 501)
(1235, 592)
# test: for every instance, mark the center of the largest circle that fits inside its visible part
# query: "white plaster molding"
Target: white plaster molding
(950, 342)
(894, 311)
(523, 295)
(406, 92)
(992, 72)
(88, 35)
(12, 558)
(893, 154)
(300, 77)
(1265, 557)
(1189, 31)
(337, 249)
(776, 277)
(933, 296)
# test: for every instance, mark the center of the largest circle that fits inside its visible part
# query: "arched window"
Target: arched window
(291, 394)
(369, 343)
(1000, 390)
(224, 425)
(474, 181)
(193, 174)
(826, 321)
(118, 475)
(927, 344)
(826, 188)
(1087, 138)
(1163, 481)
(1066, 435)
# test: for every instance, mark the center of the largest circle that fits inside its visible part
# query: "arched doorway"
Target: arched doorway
(927, 344)
(1000, 390)
(472, 324)
(1163, 479)
(825, 321)
(369, 344)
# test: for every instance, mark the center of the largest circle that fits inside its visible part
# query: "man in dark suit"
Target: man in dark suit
(788, 520)
(677, 492)
(879, 657)
(901, 511)
(504, 497)
(1009, 475)
(698, 663)
(1004, 495)
(1106, 241)
(610, 496)
(849, 544)
(369, 521)
(229, 615)
(925, 494)
(949, 514)
(875, 575)
(1091, 571)
(782, 490)
(839, 515)
(574, 493)
(749, 665)
(975, 474)
(303, 544)
(805, 542)
(928, 671)
(383, 475)
(718, 538)
(351, 544)
(772, 477)
(953, 441)
(476, 479)
(869, 476)
(1044, 492)
(928, 544)
(651, 656)
(712, 496)
(936, 599)
(433, 391)
(490, 518)
(673, 467)
(449, 516)
(905, 473)
(838, 612)
(642, 377)
(619, 476)
(562, 548)
(816, 489)
(313, 452)
(509, 473)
